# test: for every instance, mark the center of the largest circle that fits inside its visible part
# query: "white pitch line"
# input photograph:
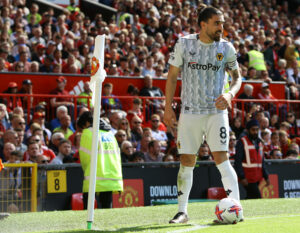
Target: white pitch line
(282, 216)
(196, 227)
(199, 227)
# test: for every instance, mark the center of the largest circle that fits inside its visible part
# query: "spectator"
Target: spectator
(17, 122)
(137, 157)
(3, 65)
(72, 65)
(264, 76)
(26, 89)
(203, 154)
(282, 75)
(34, 67)
(148, 69)
(143, 144)
(256, 59)
(10, 136)
(43, 150)
(121, 136)
(16, 157)
(136, 109)
(65, 122)
(284, 142)
(86, 93)
(43, 139)
(285, 126)
(159, 72)
(9, 101)
(154, 153)
(20, 145)
(157, 134)
(274, 122)
(39, 54)
(127, 104)
(55, 140)
(248, 95)
(124, 125)
(151, 91)
(292, 52)
(243, 57)
(109, 103)
(47, 66)
(65, 151)
(114, 119)
(60, 91)
(60, 111)
(42, 159)
(39, 118)
(294, 146)
(232, 145)
(293, 79)
(294, 130)
(24, 57)
(34, 9)
(33, 152)
(249, 161)
(4, 124)
(275, 154)
(8, 148)
(264, 126)
(275, 142)
(37, 37)
(126, 151)
(291, 154)
(251, 74)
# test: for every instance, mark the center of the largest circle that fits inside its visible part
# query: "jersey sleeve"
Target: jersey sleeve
(176, 58)
(231, 61)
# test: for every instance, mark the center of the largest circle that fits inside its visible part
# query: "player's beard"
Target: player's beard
(215, 36)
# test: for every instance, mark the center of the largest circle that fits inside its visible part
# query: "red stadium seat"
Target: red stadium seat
(77, 201)
(217, 193)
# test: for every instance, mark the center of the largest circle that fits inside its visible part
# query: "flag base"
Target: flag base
(89, 225)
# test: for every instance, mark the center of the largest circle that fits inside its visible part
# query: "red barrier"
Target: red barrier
(43, 83)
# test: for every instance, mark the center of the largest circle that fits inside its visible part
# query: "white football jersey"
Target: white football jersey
(202, 72)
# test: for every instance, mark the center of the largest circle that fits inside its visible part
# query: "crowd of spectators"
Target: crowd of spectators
(265, 34)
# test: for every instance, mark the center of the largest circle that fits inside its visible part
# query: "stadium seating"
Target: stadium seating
(216, 193)
(77, 202)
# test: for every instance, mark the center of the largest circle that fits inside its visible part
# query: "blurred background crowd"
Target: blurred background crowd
(265, 34)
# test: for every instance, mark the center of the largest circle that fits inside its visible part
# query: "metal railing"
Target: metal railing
(240, 107)
(18, 187)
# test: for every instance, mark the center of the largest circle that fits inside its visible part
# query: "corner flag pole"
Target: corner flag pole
(98, 75)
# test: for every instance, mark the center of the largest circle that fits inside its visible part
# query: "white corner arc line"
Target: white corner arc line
(199, 227)
(196, 227)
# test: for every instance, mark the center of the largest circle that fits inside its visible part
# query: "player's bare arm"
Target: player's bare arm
(169, 115)
(224, 100)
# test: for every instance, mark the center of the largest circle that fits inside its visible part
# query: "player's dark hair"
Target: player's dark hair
(206, 12)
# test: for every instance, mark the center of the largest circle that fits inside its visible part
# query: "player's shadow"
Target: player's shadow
(132, 229)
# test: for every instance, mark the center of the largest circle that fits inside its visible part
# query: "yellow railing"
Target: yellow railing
(18, 187)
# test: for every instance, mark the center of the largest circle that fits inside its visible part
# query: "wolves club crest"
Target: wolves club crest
(220, 56)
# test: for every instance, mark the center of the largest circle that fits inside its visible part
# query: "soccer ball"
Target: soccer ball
(229, 211)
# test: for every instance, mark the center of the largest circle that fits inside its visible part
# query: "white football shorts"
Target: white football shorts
(194, 128)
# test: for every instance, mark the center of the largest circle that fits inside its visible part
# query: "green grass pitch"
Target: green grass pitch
(261, 216)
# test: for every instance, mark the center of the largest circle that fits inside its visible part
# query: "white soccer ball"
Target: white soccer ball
(229, 211)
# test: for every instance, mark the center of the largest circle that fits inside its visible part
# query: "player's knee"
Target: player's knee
(188, 160)
(220, 156)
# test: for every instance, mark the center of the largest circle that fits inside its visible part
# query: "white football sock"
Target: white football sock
(229, 180)
(184, 185)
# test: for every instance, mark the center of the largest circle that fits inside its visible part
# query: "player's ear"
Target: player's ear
(202, 24)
